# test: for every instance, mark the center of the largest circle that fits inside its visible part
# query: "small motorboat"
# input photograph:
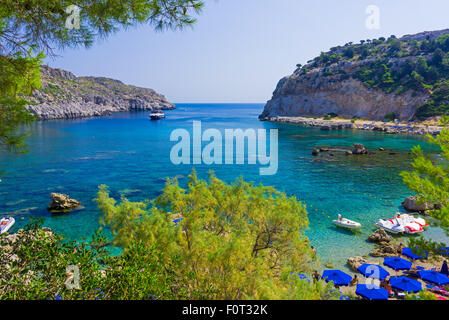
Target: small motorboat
(346, 223)
(157, 115)
(6, 224)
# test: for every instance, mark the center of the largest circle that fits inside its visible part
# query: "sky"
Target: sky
(239, 49)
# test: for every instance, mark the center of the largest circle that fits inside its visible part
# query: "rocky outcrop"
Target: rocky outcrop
(316, 95)
(62, 203)
(412, 204)
(359, 149)
(379, 236)
(63, 95)
(355, 262)
(337, 83)
(384, 249)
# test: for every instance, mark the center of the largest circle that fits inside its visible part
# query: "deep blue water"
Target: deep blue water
(131, 155)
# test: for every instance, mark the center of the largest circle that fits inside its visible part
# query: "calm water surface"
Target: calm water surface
(131, 154)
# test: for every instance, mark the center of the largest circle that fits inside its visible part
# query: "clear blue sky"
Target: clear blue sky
(239, 49)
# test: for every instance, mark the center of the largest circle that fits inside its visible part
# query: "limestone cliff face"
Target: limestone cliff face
(332, 82)
(63, 95)
(315, 94)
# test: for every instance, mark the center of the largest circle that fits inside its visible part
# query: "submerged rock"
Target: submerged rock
(379, 236)
(359, 149)
(411, 204)
(62, 203)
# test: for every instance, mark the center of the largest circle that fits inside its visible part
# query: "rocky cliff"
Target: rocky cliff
(63, 95)
(369, 80)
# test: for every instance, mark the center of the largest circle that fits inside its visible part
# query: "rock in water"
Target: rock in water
(411, 204)
(315, 152)
(359, 149)
(62, 203)
(379, 236)
(355, 262)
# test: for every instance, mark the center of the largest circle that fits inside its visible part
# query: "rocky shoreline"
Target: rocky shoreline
(338, 124)
(66, 96)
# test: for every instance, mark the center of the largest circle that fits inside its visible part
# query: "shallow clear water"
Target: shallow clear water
(131, 154)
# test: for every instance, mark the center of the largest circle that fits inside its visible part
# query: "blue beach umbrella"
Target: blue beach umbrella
(337, 276)
(434, 277)
(405, 284)
(371, 292)
(176, 221)
(373, 271)
(303, 277)
(444, 251)
(397, 263)
(409, 253)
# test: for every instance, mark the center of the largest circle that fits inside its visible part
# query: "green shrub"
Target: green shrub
(390, 116)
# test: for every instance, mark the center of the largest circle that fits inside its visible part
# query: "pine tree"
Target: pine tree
(235, 241)
(31, 28)
(430, 180)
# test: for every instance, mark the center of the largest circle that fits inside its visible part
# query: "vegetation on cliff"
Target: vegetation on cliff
(418, 63)
(63, 95)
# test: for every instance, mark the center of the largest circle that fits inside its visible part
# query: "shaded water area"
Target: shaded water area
(131, 155)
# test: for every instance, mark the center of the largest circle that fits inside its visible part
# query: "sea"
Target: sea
(131, 155)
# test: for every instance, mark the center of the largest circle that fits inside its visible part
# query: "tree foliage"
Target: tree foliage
(430, 180)
(235, 241)
(395, 66)
(31, 28)
(38, 269)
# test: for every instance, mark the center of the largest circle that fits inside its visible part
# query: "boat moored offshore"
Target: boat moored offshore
(157, 115)
(346, 223)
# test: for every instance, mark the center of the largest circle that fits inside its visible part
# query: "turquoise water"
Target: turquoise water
(130, 154)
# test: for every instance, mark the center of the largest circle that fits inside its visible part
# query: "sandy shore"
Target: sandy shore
(420, 128)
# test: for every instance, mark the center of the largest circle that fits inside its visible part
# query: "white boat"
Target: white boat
(405, 219)
(6, 224)
(346, 223)
(390, 226)
(400, 224)
(157, 115)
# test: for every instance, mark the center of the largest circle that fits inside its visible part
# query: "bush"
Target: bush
(235, 241)
(391, 116)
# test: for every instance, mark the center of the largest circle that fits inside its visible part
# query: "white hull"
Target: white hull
(399, 226)
(390, 230)
(6, 224)
(157, 116)
(348, 224)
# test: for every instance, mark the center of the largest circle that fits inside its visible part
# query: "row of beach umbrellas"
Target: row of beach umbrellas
(402, 283)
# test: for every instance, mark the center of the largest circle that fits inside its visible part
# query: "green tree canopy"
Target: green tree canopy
(31, 28)
(430, 180)
(235, 241)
